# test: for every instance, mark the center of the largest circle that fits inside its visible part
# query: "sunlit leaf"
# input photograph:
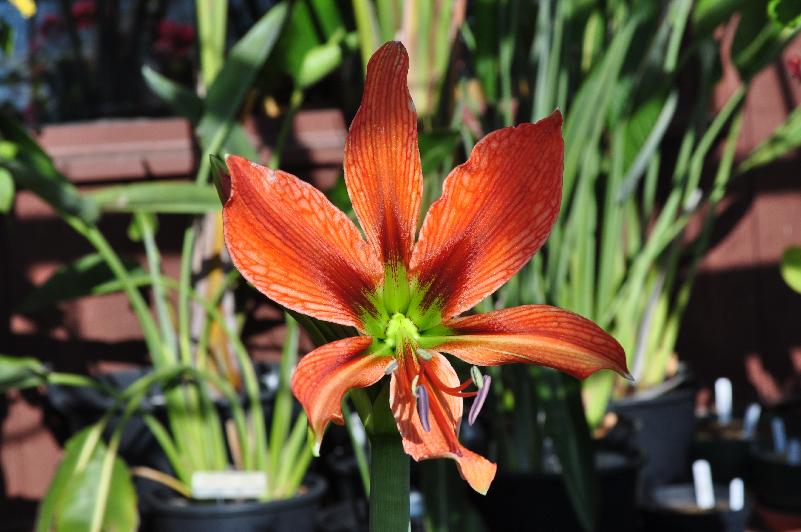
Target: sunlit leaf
(784, 138)
(791, 267)
(32, 169)
(177, 197)
(234, 80)
(6, 191)
(179, 98)
(17, 373)
(786, 13)
(80, 498)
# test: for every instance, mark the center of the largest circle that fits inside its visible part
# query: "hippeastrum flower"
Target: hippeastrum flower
(405, 297)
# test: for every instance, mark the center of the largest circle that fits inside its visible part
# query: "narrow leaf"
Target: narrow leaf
(246, 58)
(179, 98)
(17, 373)
(88, 275)
(791, 267)
(175, 197)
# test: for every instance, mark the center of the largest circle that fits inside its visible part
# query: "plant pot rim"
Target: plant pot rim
(674, 395)
(760, 452)
(653, 507)
(166, 504)
(633, 460)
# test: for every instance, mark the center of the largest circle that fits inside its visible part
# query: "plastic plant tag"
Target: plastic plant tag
(794, 452)
(779, 435)
(702, 480)
(357, 429)
(751, 420)
(736, 494)
(723, 400)
(228, 484)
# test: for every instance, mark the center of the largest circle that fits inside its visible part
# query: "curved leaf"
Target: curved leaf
(77, 495)
(17, 373)
(791, 267)
(237, 74)
(179, 98)
(175, 197)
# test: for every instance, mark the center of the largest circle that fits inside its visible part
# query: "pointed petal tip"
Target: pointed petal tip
(628, 376)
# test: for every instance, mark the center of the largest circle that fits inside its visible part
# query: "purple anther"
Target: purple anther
(422, 407)
(478, 402)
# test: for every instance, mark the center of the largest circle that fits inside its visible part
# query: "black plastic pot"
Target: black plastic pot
(725, 448)
(77, 408)
(539, 501)
(672, 508)
(663, 430)
(776, 483)
(170, 513)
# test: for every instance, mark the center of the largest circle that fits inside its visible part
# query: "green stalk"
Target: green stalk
(293, 450)
(154, 269)
(389, 470)
(168, 446)
(367, 27)
(138, 303)
(282, 414)
(389, 483)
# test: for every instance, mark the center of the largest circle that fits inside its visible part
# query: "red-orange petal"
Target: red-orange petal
(535, 334)
(295, 246)
(326, 374)
(382, 160)
(445, 413)
(495, 212)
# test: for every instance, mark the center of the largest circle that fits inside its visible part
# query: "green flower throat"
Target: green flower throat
(399, 318)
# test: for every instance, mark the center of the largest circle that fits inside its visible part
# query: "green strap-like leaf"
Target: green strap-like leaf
(72, 499)
(791, 267)
(179, 98)
(785, 13)
(17, 373)
(174, 197)
(247, 57)
(7, 190)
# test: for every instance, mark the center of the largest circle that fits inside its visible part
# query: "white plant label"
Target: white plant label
(779, 435)
(736, 494)
(723, 398)
(702, 480)
(794, 452)
(228, 484)
(751, 420)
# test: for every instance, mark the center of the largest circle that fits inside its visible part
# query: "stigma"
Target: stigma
(423, 382)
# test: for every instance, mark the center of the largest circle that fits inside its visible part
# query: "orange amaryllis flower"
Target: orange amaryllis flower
(404, 297)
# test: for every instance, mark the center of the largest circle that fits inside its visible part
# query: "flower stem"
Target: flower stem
(389, 484)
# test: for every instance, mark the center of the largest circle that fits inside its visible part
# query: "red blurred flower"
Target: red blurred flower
(84, 13)
(51, 24)
(794, 66)
(175, 38)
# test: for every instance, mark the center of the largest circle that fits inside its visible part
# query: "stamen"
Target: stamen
(478, 402)
(439, 385)
(478, 378)
(415, 380)
(422, 407)
(425, 355)
(391, 367)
